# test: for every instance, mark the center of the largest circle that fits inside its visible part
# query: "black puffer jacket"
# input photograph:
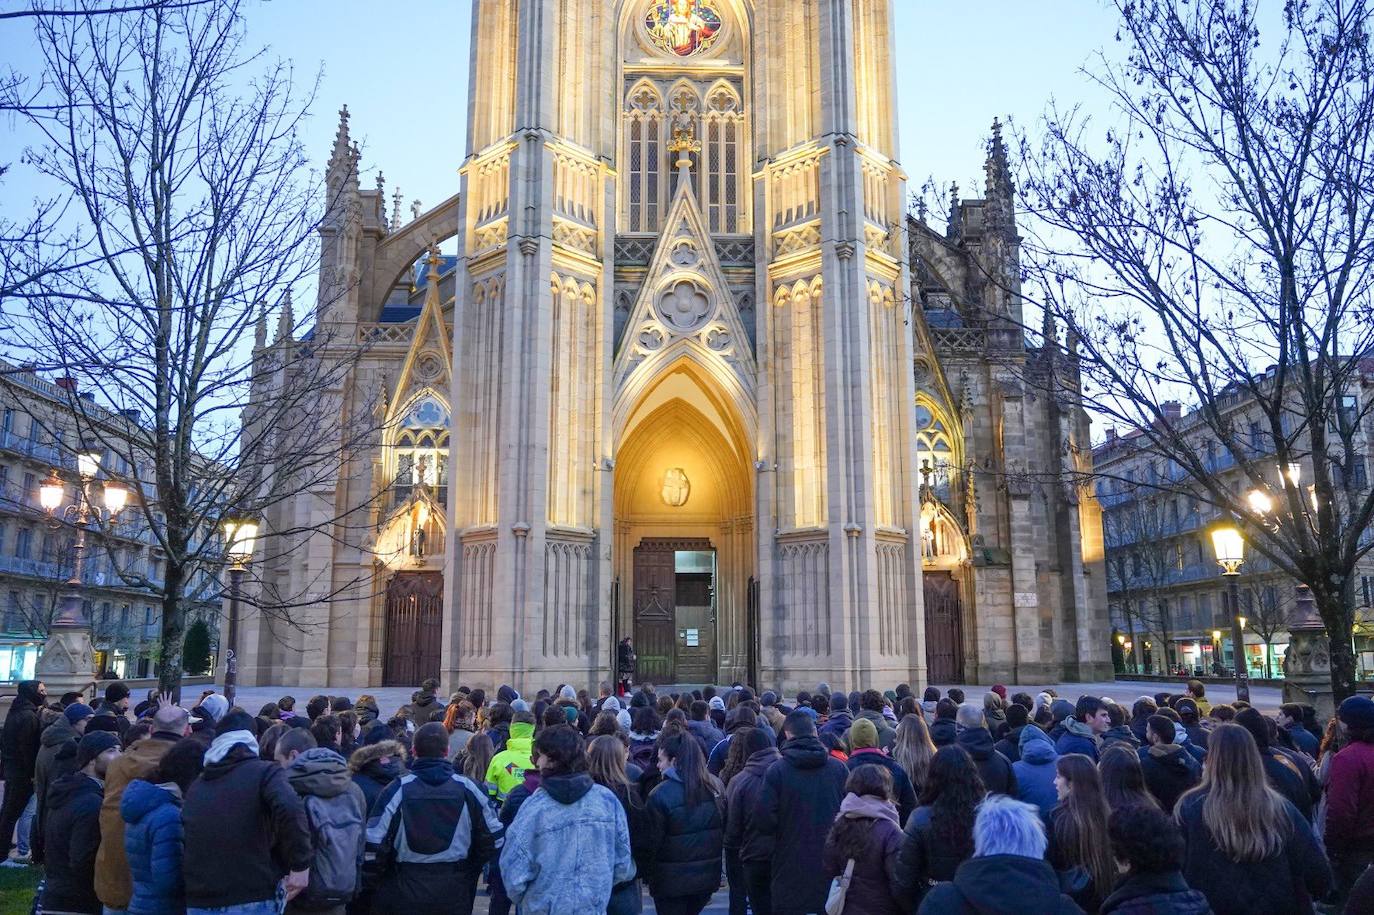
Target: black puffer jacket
(1169, 770)
(72, 827)
(1000, 884)
(800, 799)
(995, 768)
(686, 842)
(924, 859)
(741, 801)
(19, 737)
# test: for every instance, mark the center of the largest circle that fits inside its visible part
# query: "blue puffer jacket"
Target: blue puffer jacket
(1035, 771)
(153, 842)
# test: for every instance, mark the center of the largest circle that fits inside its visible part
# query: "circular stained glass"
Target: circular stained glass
(682, 27)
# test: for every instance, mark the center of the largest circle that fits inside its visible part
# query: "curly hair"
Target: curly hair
(953, 789)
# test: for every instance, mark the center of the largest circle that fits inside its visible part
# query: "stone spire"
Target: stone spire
(260, 326)
(955, 230)
(395, 209)
(1048, 330)
(286, 320)
(340, 156)
(1000, 193)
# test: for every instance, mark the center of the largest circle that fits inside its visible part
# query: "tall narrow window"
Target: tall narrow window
(643, 124)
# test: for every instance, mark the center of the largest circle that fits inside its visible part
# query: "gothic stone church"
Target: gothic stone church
(694, 376)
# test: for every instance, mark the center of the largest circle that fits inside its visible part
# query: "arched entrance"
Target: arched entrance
(414, 626)
(684, 532)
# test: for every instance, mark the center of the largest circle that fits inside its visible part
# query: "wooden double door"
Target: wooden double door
(944, 628)
(673, 614)
(414, 628)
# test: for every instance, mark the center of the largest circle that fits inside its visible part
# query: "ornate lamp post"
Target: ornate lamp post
(67, 662)
(240, 538)
(1230, 550)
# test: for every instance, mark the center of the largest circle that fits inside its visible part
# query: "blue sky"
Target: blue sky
(403, 72)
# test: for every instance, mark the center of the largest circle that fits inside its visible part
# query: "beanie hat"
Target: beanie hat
(622, 718)
(768, 698)
(215, 706)
(717, 703)
(519, 705)
(823, 688)
(612, 704)
(567, 692)
(376, 734)
(1357, 712)
(839, 702)
(77, 711)
(92, 745)
(863, 734)
(103, 723)
(1000, 690)
(237, 720)
(570, 713)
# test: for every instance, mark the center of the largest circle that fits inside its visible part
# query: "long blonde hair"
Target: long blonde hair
(606, 758)
(1080, 822)
(913, 749)
(1245, 817)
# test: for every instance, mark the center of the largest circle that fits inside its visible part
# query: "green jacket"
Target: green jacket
(507, 769)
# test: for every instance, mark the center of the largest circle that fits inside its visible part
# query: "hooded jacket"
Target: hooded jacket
(997, 773)
(1077, 738)
(1155, 894)
(902, 789)
(569, 819)
(336, 811)
(838, 724)
(872, 887)
(19, 740)
(887, 734)
(56, 758)
(368, 772)
(1169, 771)
(507, 769)
(1000, 885)
(424, 709)
(1010, 745)
(707, 735)
(943, 732)
(923, 858)
(801, 795)
(685, 841)
(154, 842)
(741, 799)
(1121, 734)
(73, 835)
(244, 805)
(1035, 771)
(112, 880)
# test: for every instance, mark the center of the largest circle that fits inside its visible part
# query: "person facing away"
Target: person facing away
(1034, 770)
(944, 730)
(607, 765)
(913, 750)
(56, 758)
(1008, 874)
(1349, 815)
(507, 769)
(976, 740)
(867, 833)
(450, 831)
(19, 744)
(1247, 848)
(1084, 729)
(242, 805)
(1123, 781)
(1290, 719)
(1287, 776)
(742, 794)
(863, 739)
(1148, 849)
(112, 879)
(154, 840)
(1010, 743)
(684, 842)
(939, 835)
(1078, 846)
(336, 810)
(569, 819)
(72, 825)
(1169, 769)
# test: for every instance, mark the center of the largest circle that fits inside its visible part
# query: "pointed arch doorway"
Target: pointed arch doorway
(684, 532)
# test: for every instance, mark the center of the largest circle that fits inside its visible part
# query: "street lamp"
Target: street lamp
(1230, 550)
(240, 538)
(67, 659)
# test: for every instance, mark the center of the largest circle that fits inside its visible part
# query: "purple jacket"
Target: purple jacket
(872, 888)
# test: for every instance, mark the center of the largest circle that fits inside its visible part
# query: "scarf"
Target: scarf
(1079, 729)
(227, 741)
(854, 807)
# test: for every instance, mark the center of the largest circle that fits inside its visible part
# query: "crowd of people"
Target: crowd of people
(566, 802)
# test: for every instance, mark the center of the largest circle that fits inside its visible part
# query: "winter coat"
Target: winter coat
(838, 724)
(715, 763)
(1010, 745)
(450, 831)
(425, 709)
(1035, 771)
(499, 734)
(1077, 738)
(72, 825)
(19, 739)
(56, 758)
(112, 880)
(337, 812)
(1169, 770)
(996, 770)
(902, 788)
(1280, 884)
(1000, 885)
(569, 819)
(1155, 894)
(1304, 740)
(368, 772)
(1287, 778)
(243, 806)
(996, 722)
(872, 887)
(707, 735)
(519, 794)
(507, 769)
(801, 795)
(109, 710)
(458, 740)
(1121, 734)
(741, 800)
(943, 732)
(887, 734)
(154, 842)
(924, 859)
(1350, 799)
(684, 842)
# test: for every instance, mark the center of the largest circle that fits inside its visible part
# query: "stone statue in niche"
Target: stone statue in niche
(682, 27)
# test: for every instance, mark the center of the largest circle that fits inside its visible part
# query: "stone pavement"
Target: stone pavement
(719, 905)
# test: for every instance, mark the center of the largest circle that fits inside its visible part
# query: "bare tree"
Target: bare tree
(189, 217)
(1140, 565)
(1268, 610)
(1213, 244)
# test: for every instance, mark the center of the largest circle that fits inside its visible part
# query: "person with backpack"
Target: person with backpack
(571, 818)
(861, 850)
(451, 831)
(337, 813)
(154, 839)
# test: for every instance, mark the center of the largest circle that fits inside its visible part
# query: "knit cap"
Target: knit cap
(863, 733)
(92, 745)
(78, 711)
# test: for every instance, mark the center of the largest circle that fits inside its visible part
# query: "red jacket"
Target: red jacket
(1350, 798)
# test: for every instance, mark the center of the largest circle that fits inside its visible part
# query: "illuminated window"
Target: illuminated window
(935, 451)
(420, 449)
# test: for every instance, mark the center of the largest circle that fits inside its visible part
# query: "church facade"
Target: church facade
(694, 377)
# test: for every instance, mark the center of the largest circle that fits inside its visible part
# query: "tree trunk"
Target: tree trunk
(1268, 653)
(173, 635)
(1337, 615)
